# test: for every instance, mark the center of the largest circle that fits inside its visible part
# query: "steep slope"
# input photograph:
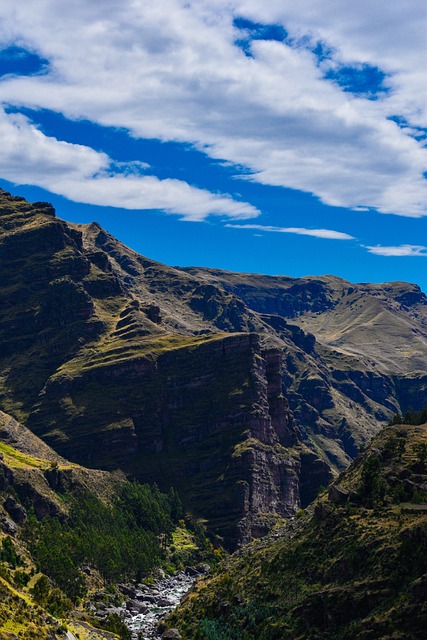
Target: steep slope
(35, 473)
(32, 474)
(354, 566)
(70, 536)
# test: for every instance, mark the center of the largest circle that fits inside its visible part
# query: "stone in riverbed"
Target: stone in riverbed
(127, 590)
(172, 634)
(164, 602)
(146, 597)
(135, 605)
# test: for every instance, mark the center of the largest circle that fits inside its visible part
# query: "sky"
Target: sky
(272, 137)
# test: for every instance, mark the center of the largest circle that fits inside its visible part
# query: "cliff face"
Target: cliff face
(196, 417)
(103, 372)
(244, 392)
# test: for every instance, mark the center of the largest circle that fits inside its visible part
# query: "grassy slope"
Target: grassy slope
(34, 474)
(342, 570)
(21, 617)
(24, 466)
(383, 324)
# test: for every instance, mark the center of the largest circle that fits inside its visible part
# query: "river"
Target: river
(155, 602)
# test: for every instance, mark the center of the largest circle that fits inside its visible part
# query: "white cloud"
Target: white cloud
(170, 70)
(84, 175)
(402, 250)
(389, 35)
(327, 234)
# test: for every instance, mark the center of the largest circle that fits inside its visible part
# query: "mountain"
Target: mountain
(354, 565)
(246, 393)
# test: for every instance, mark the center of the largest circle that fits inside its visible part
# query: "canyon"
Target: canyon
(246, 393)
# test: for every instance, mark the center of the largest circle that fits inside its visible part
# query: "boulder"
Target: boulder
(114, 610)
(172, 634)
(15, 510)
(164, 602)
(203, 568)
(135, 605)
(337, 494)
(127, 590)
(8, 526)
(322, 510)
(146, 597)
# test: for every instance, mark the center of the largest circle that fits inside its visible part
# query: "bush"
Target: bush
(373, 487)
(8, 553)
(115, 624)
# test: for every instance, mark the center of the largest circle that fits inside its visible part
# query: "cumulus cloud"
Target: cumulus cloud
(402, 250)
(84, 175)
(327, 234)
(172, 70)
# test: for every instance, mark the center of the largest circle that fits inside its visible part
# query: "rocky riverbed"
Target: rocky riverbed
(154, 602)
(147, 604)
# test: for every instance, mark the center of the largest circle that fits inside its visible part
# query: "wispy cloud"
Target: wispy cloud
(171, 70)
(85, 175)
(327, 234)
(402, 250)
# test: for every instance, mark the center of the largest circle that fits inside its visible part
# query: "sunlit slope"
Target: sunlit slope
(384, 323)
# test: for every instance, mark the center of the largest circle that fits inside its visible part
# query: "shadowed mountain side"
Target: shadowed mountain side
(37, 475)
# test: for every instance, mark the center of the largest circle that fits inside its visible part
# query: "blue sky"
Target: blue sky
(280, 140)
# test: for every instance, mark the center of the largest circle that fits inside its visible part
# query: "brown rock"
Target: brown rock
(337, 494)
(172, 634)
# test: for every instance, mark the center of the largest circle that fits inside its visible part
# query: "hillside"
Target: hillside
(354, 565)
(246, 393)
(33, 475)
(71, 536)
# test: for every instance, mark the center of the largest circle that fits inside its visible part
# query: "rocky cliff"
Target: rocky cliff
(245, 392)
(101, 363)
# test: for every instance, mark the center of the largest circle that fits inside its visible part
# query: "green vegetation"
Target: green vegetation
(351, 567)
(121, 540)
(140, 529)
(50, 598)
(115, 624)
(160, 391)
(410, 417)
(8, 553)
(17, 459)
